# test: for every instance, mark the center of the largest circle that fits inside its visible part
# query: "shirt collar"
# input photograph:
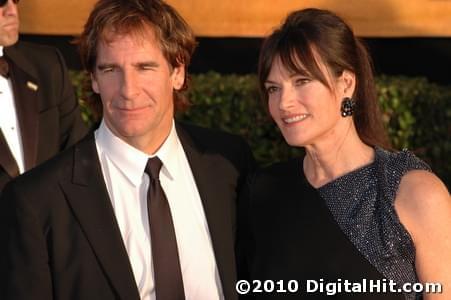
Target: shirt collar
(132, 161)
(1, 51)
(168, 153)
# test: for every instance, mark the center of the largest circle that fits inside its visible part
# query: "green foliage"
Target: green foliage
(231, 103)
(416, 113)
(81, 82)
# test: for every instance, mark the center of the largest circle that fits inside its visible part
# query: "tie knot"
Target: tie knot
(153, 167)
(4, 68)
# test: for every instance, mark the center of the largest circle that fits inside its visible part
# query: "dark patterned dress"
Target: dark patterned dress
(345, 231)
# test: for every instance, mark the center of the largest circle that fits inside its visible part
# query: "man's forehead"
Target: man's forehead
(137, 35)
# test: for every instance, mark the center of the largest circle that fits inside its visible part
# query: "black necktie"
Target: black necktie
(4, 68)
(167, 273)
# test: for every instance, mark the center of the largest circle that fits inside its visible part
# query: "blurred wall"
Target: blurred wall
(405, 37)
(255, 18)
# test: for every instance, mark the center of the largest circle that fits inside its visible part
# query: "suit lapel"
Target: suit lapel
(217, 208)
(25, 91)
(7, 160)
(88, 197)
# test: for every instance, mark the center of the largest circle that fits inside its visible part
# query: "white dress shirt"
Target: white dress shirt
(9, 123)
(127, 184)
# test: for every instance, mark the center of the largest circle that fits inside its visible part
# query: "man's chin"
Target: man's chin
(7, 41)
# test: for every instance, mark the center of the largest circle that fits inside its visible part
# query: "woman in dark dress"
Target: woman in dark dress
(349, 220)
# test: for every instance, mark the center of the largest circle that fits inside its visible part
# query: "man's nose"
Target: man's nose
(10, 8)
(129, 85)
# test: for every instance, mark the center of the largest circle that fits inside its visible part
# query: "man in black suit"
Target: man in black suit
(39, 115)
(96, 222)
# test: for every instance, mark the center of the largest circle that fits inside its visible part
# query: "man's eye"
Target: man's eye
(107, 70)
(147, 67)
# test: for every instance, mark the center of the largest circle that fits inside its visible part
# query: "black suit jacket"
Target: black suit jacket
(61, 238)
(47, 111)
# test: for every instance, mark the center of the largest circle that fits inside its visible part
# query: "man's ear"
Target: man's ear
(178, 77)
(94, 83)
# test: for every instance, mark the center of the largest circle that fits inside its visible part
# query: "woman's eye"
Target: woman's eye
(302, 81)
(271, 89)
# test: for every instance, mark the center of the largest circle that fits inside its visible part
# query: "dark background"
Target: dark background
(427, 57)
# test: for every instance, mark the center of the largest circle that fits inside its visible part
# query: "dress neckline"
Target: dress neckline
(343, 177)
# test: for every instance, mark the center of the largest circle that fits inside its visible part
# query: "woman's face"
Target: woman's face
(305, 110)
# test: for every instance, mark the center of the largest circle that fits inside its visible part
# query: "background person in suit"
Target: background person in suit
(39, 114)
(77, 227)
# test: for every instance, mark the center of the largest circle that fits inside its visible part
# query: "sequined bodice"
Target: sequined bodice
(362, 203)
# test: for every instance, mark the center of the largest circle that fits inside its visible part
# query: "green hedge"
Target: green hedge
(416, 113)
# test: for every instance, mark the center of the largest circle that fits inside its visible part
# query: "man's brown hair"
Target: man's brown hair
(118, 17)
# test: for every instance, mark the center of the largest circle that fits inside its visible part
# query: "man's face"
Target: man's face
(9, 23)
(136, 85)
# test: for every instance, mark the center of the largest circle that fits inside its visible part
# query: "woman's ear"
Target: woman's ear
(349, 82)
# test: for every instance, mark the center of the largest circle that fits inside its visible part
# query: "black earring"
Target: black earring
(347, 107)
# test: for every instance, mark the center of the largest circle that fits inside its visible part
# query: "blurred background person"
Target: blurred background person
(39, 113)
(350, 209)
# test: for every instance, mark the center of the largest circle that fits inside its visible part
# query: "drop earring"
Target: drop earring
(347, 107)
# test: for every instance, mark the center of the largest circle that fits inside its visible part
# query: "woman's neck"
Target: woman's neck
(334, 157)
